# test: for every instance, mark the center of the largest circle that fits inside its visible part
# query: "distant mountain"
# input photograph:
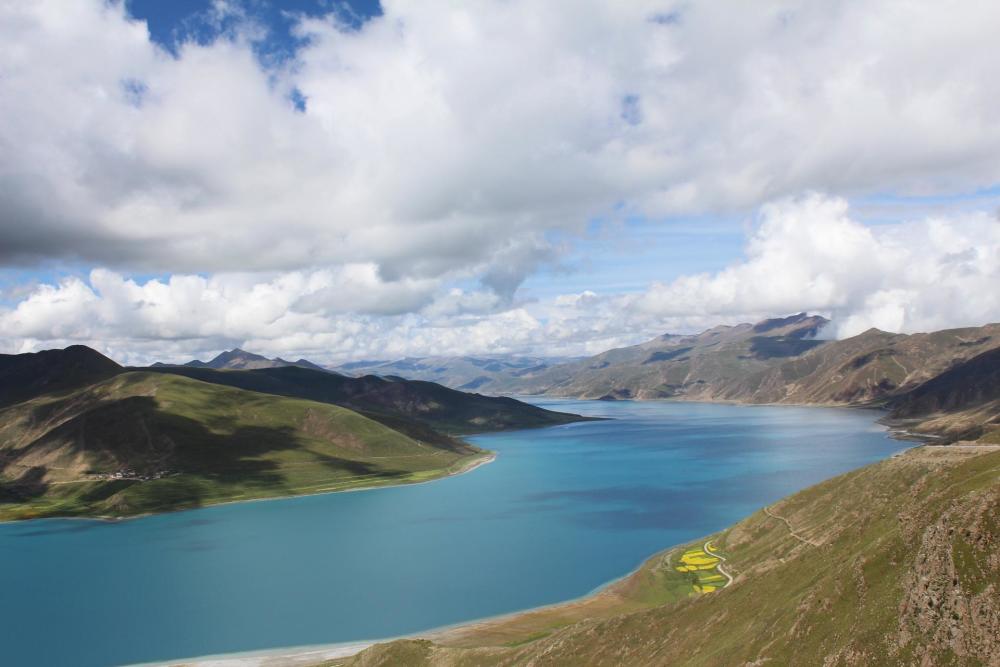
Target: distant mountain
(469, 373)
(774, 361)
(868, 369)
(692, 366)
(943, 382)
(237, 359)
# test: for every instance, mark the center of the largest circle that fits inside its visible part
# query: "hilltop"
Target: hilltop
(23, 376)
(893, 564)
(237, 359)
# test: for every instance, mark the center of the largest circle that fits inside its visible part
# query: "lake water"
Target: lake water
(560, 512)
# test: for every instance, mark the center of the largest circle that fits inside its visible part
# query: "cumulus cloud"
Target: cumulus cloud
(809, 254)
(438, 137)
(805, 253)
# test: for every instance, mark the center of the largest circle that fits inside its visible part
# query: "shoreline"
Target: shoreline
(485, 457)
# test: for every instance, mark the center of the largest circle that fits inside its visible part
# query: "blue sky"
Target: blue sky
(176, 21)
(349, 180)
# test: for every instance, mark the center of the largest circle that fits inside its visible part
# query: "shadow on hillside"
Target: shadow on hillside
(357, 468)
(29, 484)
(763, 347)
(167, 460)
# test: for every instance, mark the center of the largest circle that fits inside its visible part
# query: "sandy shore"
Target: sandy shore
(282, 657)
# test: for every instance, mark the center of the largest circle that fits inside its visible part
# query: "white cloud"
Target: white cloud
(439, 138)
(442, 145)
(809, 254)
(805, 253)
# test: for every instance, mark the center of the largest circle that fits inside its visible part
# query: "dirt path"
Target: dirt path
(729, 577)
(791, 530)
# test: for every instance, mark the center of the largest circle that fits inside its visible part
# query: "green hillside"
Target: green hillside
(897, 563)
(387, 400)
(146, 442)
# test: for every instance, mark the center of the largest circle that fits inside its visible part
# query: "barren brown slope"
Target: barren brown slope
(868, 368)
(907, 572)
(677, 366)
(963, 403)
(775, 361)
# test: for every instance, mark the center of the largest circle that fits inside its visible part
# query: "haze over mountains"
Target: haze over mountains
(468, 373)
(779, 360)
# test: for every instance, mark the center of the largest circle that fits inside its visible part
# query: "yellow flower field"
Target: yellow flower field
(704, 563)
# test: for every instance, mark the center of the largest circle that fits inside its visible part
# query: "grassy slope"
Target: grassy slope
(220, 443)
(430, 404)
(907, 572)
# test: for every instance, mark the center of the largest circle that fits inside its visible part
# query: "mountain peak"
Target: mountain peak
(25, 375)
(800, 325)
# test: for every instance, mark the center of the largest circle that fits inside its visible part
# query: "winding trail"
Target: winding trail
(791, 530)
(707, 549)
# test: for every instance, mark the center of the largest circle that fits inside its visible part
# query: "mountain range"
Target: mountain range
(942, 382)
(237, 359)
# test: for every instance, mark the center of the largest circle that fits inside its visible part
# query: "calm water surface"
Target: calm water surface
(561, 511)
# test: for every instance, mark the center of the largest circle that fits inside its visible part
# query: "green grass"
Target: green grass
(218, 443)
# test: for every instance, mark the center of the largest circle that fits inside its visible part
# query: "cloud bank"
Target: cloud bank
(330, 202)
(804, 254)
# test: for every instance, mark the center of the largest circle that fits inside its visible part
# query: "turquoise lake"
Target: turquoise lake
(559, 513)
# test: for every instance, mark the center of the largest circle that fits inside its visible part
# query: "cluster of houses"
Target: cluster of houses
(131, 474)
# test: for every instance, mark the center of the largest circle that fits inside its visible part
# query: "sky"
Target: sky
(356, 180)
